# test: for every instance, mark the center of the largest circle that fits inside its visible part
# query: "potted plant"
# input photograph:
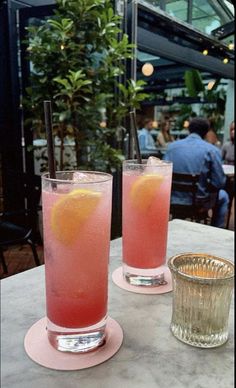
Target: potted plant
(78, 59)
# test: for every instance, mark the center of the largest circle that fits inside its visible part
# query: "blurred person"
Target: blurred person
(211, 135)
(146, 141)
(164, 137)
(228, 147)
(194, 155)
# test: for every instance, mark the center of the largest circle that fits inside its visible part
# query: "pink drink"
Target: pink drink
(146, 202)
(76, 220)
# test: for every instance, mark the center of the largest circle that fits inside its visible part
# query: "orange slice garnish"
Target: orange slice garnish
(71, 212)
(144, 190)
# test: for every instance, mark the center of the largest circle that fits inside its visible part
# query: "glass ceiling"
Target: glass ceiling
(204, 15)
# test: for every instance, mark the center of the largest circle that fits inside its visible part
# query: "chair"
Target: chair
(19, 227)
(196, 211)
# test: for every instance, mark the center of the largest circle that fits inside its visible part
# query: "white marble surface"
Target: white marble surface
(150, 356)
(228, 169)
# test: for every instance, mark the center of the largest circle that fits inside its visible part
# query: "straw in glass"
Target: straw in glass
(134, 136)
(50, 144)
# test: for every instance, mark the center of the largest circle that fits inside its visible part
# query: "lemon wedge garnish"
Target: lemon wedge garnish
(70, 213)
(144, 190)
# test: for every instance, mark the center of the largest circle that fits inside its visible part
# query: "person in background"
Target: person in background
(211, 135)
(146, 141)
(193, 155)
(228, 147)
(164, 137)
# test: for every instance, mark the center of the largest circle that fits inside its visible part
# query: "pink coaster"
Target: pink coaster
(41, 351)
(119, 280)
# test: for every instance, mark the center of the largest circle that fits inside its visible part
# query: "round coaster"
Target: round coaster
(118, 279)
(41, 351)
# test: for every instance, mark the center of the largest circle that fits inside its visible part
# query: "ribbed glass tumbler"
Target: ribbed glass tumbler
(202, 292)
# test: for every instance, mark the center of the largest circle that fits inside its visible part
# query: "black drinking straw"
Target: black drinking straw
(134, 136)
(50, 144)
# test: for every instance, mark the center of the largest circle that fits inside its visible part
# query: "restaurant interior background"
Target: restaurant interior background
(187, 44)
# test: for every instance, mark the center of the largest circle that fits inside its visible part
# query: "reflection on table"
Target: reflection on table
(150, 355)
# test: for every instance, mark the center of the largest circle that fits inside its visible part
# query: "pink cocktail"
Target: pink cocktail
(145, 215)
(76, 223)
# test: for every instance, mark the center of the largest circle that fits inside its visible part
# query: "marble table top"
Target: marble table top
(228, 169)
(150, 356)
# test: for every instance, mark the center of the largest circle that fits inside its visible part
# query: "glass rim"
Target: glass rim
(134, 162)
(175, 269)
(106, 177)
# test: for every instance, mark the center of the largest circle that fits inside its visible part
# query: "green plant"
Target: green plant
(193, 82)
(185, 112)
(78, 59)
(214, 99)
(214, 109)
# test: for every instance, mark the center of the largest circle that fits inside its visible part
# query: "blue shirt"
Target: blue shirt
(146, 141)
(193, 155)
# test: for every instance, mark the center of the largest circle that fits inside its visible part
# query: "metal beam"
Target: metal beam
(161, 46)
(152, 18)
(224, 31)
(190, 11)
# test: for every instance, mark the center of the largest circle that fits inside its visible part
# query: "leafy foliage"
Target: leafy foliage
(193, 81)
(78, 58)
(215, 98)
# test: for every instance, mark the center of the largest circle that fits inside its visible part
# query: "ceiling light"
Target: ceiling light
(210, 85)
(147, 69)
(103, 124)
(231, 46)
(205, 52)
(226, 60)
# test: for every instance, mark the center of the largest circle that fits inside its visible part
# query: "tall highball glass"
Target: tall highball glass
(76, 226)
(145, 216)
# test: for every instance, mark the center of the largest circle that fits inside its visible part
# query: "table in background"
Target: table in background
(150, 355)
(158, 153)
(228, 170)
(179, 134)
